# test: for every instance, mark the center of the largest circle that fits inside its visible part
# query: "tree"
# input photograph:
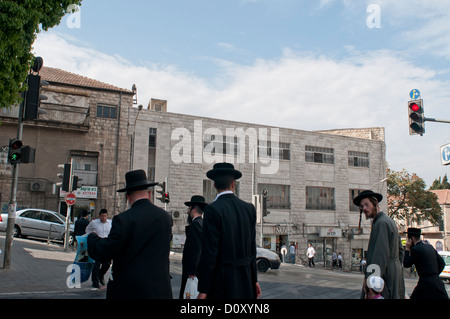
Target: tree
(438, 184)
(409, 201)
(20, 22)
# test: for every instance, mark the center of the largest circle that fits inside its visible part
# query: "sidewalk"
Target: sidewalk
(36, 267)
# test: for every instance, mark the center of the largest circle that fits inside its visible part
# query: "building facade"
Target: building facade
(86, 121)
(310, 178)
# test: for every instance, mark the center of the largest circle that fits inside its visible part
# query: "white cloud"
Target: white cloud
(302, 91)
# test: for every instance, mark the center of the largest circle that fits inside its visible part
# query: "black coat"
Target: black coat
(429, 265)
(191, 251)
(227, 267)
(139, 246)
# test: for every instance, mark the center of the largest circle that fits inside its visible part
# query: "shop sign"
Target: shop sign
(89, 192)
(330, 232)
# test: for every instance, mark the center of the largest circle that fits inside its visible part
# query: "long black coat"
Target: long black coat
(191, 251)
(139, 245)
(227, 268)
(429, 265)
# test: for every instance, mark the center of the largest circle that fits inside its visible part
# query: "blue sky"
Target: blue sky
(304, 64)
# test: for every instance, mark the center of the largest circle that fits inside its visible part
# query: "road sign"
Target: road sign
(70, 199)
(414, 94)
(445, 154)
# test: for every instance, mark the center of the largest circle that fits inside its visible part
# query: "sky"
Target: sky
(302, 64)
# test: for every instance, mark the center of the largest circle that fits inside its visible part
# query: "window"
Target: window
(85, 166)
(321, 198)
(107, 112)
(265, 149)
(358, 159)
(221, 145)
(314, 154)
(279, 195)
(353, 193)
(152, 137)
(31, 214)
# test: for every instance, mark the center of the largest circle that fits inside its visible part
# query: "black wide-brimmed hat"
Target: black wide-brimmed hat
(414, 231)
(367, 194)
(197, 200)
(136, 180)
(221, 169)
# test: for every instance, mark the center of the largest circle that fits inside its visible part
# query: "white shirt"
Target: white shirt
(101, 229)
(223, 193)
(310, 252)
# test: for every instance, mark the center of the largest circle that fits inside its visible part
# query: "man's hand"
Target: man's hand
(258, 291)
(201, 296)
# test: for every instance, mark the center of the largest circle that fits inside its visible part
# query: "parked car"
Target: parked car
(266, 259)
(38, 223)
(445, 274)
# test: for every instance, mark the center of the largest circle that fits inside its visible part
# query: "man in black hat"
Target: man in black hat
(429, 265)
(227, 268)
(193, 244)
(138, 244)
(385, 251)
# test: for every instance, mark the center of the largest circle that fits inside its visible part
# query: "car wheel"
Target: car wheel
(16, 232)
(263, 265)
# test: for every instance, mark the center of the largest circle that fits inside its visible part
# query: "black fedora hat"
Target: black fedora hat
(367, 194)
(197, 200)
(136, 180)
(414, 231)
(221, 169)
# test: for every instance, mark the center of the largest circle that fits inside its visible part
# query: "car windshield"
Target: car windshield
(63, 218)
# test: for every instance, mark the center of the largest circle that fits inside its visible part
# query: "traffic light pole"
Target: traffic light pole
(13, 199)
(69, 209)
(429, 119)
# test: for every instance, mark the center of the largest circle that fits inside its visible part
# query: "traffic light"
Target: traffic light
(15, 151)
(162, 191)
(265, 203)
(33, 97)
(166, 198)
(75, 180)
(65, 177)
(28, 155)
(416, 117)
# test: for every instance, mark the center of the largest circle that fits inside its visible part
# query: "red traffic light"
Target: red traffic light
(16, 144)
(414, 107)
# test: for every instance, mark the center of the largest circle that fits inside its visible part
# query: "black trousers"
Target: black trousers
(311, 261)
(98, 272)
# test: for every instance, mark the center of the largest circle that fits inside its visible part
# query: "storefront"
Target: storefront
(86, 197)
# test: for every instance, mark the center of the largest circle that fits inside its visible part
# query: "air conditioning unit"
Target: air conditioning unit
(37, 186)
(176, 214)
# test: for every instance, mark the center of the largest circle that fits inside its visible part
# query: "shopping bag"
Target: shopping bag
(191, 292)
(82, 259)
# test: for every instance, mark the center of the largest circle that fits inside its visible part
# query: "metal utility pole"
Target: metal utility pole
(69, 209)
(13, 199)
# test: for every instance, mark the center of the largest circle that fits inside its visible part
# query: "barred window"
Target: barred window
(321, 198)
(218, 144)
(279, 195)
(314, 154)
(358, 159)
(265, 149)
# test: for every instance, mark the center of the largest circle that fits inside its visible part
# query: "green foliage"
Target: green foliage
(438, 184)
(19, 23)
(409, 201)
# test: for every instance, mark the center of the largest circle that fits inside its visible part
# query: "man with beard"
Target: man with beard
(385, 251)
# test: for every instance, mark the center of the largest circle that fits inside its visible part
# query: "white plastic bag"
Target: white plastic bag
(191, 292)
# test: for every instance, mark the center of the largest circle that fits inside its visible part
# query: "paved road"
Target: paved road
(38, 271)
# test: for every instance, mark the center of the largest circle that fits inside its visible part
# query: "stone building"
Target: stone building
(310, 177)
(87, 121)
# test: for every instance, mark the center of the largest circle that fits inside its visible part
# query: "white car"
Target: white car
(445, 274)
(266, 259)
(37, 222)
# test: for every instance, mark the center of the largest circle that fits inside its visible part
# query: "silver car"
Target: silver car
(266, 259)
(38, 223)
